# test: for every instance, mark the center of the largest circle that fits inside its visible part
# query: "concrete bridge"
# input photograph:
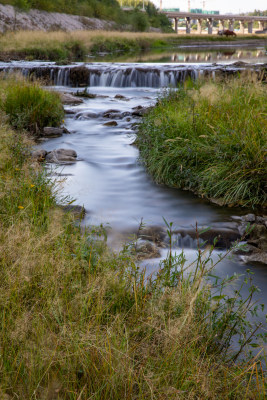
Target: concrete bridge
(225, 21)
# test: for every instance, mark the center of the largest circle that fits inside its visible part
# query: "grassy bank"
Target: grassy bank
(210, 138)
(80, 322)
(56, 46)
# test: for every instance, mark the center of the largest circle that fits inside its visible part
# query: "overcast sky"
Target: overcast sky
(224, 6)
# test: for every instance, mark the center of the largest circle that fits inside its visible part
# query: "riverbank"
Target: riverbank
(80, 321)
(74, 46)
(210, 138)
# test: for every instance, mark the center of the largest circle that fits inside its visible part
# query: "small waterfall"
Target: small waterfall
(117, 75)
(185, 242)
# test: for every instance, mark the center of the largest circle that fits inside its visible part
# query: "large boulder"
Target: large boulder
(60, 156)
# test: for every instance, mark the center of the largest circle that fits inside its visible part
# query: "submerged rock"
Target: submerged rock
(121, 97)
(69, 99)
(61, 156)
(111, 123)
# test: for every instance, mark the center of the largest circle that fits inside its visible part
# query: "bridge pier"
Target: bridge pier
(176, 20)
(250, 27)
(242, 27)
(210, 25)
(221, 25)
(199, 26)
(188, 24)
(231, 24)
(260, 25)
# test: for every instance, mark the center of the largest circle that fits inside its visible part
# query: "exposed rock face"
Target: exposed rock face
(61, 156)
(36, 20)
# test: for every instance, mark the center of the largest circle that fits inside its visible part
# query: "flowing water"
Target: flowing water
(109, 179)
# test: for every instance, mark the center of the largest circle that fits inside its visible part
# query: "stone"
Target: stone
(156, 234)
(249, 218)
(111, 113)
(139, 111)
(121, 97)
(39, 155)
(260, 257)
(86, 115)
(144, 249)
(79, 76)
(50, 131)
(68, 98)
(111, 123)
(61, 156)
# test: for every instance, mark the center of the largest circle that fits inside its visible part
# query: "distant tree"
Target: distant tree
(20, 5)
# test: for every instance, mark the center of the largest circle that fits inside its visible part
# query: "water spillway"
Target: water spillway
(121, 75)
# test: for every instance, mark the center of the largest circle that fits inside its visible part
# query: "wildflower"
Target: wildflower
(16, 169)
(63, 121)
(20, 207)
(32, 186)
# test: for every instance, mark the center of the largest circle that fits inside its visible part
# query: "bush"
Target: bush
(30, 107)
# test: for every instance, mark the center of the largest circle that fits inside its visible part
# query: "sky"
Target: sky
(224, 6)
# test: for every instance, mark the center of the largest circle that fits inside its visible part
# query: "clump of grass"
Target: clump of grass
(30, 107)
(78, 321)
(210, 138)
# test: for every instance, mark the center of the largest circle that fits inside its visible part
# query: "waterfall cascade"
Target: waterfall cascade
(118, 75)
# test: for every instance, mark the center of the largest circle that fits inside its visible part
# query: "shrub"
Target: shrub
(30, 107)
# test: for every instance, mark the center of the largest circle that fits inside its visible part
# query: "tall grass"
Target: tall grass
(79, 322)
(30, 107)
(210, 138)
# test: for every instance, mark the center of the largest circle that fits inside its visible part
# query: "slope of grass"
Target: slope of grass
(211, 139)
(79, 322)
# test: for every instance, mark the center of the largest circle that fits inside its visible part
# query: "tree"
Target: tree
(20, 5)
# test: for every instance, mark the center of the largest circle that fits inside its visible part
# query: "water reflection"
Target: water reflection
(194, 54)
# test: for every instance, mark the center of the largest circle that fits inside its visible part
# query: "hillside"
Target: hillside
(78, 15)
(45, 21)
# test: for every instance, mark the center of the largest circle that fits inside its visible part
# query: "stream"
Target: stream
(109, 180)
